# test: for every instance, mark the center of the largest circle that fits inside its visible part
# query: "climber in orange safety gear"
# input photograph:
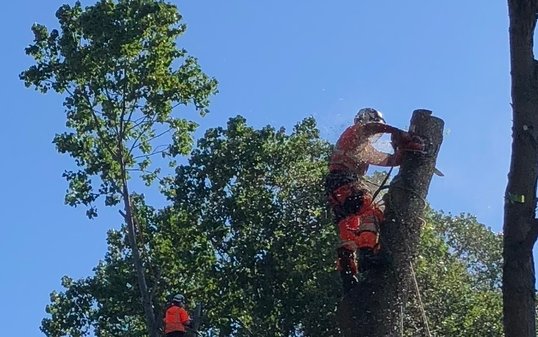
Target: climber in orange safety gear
(357, 216)
(176, 318)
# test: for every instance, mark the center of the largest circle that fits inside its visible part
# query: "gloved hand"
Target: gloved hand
(406, 141)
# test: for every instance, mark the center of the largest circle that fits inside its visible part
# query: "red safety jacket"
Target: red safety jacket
(175, 319)
(354, 151)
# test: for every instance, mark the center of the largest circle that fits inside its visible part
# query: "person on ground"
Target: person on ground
(176, 318)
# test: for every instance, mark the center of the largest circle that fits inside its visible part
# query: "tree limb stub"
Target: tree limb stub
(375, 307)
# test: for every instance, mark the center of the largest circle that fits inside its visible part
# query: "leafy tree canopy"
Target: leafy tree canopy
(123, 75)
(458, 272)
(247, 233)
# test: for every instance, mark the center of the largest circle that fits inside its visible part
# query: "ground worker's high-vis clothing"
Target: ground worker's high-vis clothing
(175, 319)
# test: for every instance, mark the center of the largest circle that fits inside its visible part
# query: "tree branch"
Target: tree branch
(137, 123)
(95, 119)
(110, 99)
(143, 132)
(149, 140)
(123, 111)
(151, 154)
(160, 180)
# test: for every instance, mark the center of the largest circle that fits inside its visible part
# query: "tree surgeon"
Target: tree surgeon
(356, 214)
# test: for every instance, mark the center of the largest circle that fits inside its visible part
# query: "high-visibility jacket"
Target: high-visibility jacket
(175, 319)
(362, 228)
(354, 151)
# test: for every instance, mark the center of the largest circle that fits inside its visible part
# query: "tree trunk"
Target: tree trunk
(375, 307)
(196, 320)
(139, 267)
(520, 225)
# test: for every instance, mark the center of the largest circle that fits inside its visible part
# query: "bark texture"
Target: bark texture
(375, 307)
(145, 294)
(520, 227)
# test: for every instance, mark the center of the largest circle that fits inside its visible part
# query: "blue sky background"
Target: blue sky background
(277, 62)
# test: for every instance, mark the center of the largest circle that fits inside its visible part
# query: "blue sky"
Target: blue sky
(277, 62)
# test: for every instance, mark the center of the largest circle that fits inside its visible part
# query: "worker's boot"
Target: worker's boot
(348, 268)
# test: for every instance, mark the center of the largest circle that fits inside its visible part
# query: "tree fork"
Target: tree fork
(375, 307)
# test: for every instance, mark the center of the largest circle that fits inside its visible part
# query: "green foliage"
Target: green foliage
(458, 271)
(123, 75)
(108, 303)
(478, 248)
(247, 234)
(259, 197)
(105, 304)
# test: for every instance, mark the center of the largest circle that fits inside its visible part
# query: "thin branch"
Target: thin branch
(129, 117)
(108, 95)
(176, 105)
(113, 100)
(149, 154)
(150, 124)
(122, 114)
(96, 121)
(116, 128)
(137, 123)
(149, 140)
(160, 180)
(92, 106)
(159, 135)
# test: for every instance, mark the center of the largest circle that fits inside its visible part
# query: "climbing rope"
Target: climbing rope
(421, 304)
(382, 186)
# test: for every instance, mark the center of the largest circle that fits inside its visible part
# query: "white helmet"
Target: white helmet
(368, 115)
(179, 299)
